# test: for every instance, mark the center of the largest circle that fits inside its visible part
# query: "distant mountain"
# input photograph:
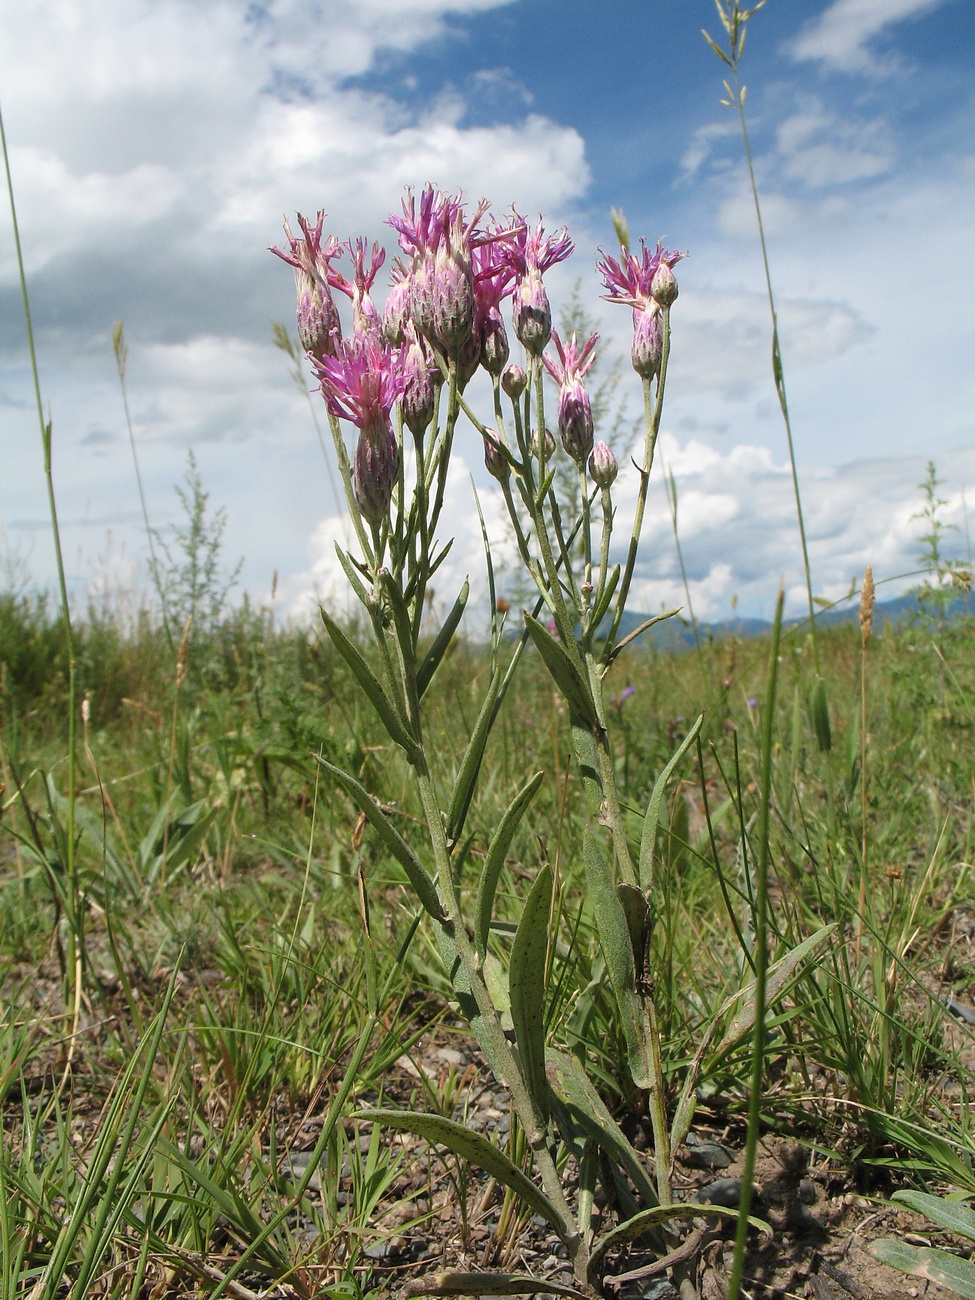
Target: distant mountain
(677, 633)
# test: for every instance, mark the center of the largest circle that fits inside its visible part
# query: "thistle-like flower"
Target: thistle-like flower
(575, 409)
(529, 254)
(493, 282)
(319, 328)
(646, 284)
(440, 241)
(361, 384)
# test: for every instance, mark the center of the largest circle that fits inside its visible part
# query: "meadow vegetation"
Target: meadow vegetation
(230, 1011)
(398, 956)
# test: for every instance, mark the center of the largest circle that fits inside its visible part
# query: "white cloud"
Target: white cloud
(821, 148)
(840, 37)
(737, 524)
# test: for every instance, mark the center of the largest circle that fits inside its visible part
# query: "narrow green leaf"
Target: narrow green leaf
(401, 620)
(418, 876)
(470, 767)
(587, 756)
(495, 858)
(951, 1215)
(435, 654)
(567, 676)
(526, 986)
(958, 1275)
(614, 938)
(456, 1283)
(476, 1149)
(599, 611)
(777, 979)
(371, 686)
(819, 708)
(572, 1086)
(352, 573)
(648, 841)
(645, 626)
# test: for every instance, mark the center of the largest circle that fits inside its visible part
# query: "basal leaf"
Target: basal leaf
(477, 1150)
(526, 985)
(574, 1089)
(614, 938)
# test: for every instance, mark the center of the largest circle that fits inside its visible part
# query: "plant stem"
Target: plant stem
(760, 956)
(76, 944)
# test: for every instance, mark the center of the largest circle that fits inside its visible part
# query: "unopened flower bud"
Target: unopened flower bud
(417, 400)
(494, 459)
(549, 444)
(531, 314)
(603, 466)
(494, 342)
(421, 297)
(453, 300)
(468, 360)
(374, 470)
(663, 286)
(647, 343)
(396, 313)
(514, 381)
(319, 328)
(575, 420)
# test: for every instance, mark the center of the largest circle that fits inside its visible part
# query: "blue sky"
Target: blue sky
(156, 145)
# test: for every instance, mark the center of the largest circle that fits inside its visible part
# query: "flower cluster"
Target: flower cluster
(443, 315)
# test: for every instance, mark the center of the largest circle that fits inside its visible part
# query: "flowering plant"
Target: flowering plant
(407, 378)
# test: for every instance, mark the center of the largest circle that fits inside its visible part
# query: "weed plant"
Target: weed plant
(228, 968)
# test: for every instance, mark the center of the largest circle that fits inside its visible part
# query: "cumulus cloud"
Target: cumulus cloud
(840, 36)
(736, 518)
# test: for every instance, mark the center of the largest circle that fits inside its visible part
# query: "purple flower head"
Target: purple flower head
(630, 280)
(441, 241)
(529, 254)
(365, 317)
(375, 467)
(648, 343)
(645, 283)
(492, 284)
(362, 381)
(361, 384)
(575, 410)
(319, 328)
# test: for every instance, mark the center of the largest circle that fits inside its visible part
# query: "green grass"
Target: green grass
(232, 1011)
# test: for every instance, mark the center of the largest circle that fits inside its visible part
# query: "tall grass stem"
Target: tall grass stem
(75, 956)
(760, 963)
